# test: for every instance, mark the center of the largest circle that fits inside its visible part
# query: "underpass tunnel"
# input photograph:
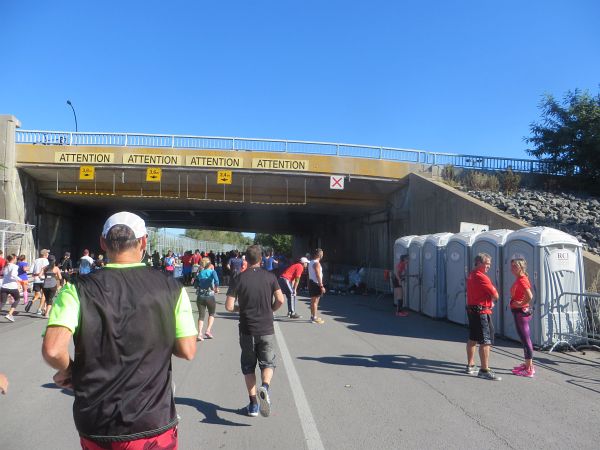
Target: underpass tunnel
(354, 226)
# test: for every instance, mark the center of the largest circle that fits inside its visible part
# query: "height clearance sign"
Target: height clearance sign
(336, 182)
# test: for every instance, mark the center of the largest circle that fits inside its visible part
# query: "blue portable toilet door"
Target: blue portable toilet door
(457, 264)
(495, 275)
(518, 249)
(414, 277)
(429, 288)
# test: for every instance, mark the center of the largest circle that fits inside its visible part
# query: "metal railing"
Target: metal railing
(280, 146)
(576, 321)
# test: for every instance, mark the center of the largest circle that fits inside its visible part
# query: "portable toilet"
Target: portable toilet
(400, 249)
(433, 286)
(414, 272)
(492, 242)
(555, 265)
(458, 265)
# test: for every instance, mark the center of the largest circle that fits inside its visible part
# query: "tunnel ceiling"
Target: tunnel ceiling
(262, 202)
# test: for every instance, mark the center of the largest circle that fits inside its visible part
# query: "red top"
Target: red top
(518, 291)
(186, 260)
(2, 262)
(196, 258)
(401, 268)
(293, 272)
(480, 291)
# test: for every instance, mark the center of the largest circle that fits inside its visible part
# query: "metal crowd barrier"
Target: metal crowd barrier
(576, 321)
(42, 137)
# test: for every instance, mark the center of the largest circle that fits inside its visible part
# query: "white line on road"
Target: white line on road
(309, 426)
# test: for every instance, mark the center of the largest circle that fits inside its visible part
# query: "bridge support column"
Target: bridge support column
(12, 206)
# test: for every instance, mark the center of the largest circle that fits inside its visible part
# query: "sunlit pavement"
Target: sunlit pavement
(363, 379)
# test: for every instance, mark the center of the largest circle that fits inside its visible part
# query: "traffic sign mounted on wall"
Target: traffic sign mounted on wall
(224, 177)
(87, 172)
(153, 174)
(336, 182)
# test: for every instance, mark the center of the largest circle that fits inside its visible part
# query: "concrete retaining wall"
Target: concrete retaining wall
(435, 207)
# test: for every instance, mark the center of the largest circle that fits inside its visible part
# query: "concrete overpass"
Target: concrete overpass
(276, 187)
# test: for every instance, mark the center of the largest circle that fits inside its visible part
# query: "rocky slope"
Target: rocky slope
(573, 214)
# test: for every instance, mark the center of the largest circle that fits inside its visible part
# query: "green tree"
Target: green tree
(568, 136)
(280, 243)
(225, 237)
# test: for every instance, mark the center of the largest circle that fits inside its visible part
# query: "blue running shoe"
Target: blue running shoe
(252, 409)
(265, 401)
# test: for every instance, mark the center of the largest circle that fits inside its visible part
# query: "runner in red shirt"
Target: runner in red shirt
(481, 295)
(288, 281)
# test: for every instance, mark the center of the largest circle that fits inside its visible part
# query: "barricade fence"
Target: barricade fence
(341, 277)
(161, 241)
(17, 238)
(576, 320)
(492, 163)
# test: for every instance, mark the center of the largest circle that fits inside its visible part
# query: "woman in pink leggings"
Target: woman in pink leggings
(520, 305)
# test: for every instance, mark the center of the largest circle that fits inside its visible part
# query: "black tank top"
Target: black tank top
(123, 347)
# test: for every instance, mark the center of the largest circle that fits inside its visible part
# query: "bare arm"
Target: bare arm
(230, 304)
(55, 350)
(319, 273)
(278, 300)
(295, 284)
(3, 383)
(185, 347)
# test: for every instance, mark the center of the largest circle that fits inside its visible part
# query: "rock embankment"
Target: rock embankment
(577, 215)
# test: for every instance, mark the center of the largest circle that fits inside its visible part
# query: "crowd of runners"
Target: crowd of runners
(104, 303)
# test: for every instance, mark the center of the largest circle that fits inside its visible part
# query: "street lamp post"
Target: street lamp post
(74, 115)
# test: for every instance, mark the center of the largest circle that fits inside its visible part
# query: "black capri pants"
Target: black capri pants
(204, 303)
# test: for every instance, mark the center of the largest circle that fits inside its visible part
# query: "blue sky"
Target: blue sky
(447, 76)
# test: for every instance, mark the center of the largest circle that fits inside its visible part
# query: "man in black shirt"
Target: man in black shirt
(254, 289)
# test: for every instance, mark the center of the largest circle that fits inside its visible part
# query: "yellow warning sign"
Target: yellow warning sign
(153, 174)
(224, 177)
(86, 172)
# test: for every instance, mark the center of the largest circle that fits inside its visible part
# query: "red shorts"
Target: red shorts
(165, 441)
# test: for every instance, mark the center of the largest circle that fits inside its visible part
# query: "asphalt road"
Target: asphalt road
(364, 379)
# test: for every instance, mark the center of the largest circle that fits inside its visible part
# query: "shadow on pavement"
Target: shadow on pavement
(401, 362)
(210, 411)
(368, 315)
(54, 386)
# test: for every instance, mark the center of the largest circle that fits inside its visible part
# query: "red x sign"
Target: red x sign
(336, 182)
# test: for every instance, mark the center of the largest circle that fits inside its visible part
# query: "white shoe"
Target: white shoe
(10, 318)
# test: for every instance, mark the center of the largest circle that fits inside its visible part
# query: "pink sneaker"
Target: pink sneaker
(209, 335)
(526, 373)
(518, 368)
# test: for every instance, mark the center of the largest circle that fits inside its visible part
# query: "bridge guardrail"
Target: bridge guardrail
(42, 137)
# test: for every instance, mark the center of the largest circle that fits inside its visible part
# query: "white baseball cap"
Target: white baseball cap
(133, 221)
(304, 260)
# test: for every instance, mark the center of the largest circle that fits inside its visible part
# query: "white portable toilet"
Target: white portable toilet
(458, 265)
(433, 286)
(555, 265)
(414, 272)
(492, 242)
(400, 249)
